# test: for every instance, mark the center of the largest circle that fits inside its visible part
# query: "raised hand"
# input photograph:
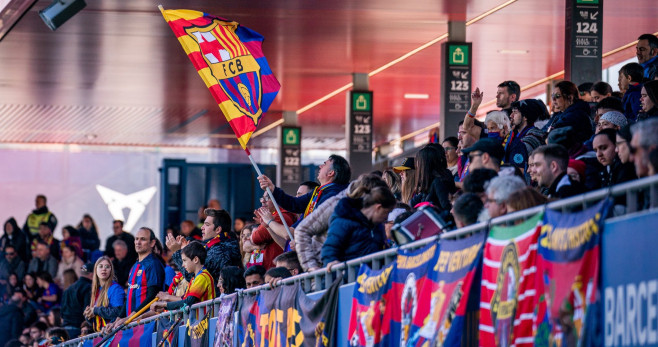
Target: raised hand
(476, 98)
(265, 183)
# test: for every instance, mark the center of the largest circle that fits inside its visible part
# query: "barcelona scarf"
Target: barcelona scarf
(230, 60)
(222, 236)
(317, 193)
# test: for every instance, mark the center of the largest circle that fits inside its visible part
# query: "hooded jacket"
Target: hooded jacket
(351, 234)
(89, 238)
(18, 239)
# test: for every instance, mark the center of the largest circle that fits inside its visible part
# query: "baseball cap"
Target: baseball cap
(88, 268)
(489, 146)
(407, 164)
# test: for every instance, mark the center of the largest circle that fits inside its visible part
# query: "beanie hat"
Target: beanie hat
(615, 117)
(579, 166)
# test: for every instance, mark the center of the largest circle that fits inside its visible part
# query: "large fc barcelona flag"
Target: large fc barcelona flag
(507, 293)
(229, 59)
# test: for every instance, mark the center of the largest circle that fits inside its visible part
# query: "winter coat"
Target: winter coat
(563, 187)
(11, 322)
(577, 117)
(351, 234)
(74, 301)
(631, 102)
(438, 194)
(221, 254)
(18, 239)
(311, 232)
(617, 173)
(532, 137)
(299, 204)
(89, 238)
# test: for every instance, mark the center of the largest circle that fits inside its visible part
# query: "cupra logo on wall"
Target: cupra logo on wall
(135, 202)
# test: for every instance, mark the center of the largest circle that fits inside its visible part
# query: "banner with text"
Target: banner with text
(629, 277)
(449, 287)
(369, 304)
(285, 316)
(409, 304)
(567, 271)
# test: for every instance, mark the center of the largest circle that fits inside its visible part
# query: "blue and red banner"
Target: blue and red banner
(369, 304)
(409, 303)
(140, 335)
(285, 316)
(568, 266)
(508, 288)
(449, 287)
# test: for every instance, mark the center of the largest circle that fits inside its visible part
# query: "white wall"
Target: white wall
(68, 176)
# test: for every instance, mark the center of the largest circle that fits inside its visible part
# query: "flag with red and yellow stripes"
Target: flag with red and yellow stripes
(230, 60)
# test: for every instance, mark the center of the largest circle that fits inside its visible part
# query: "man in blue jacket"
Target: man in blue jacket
(630, 81)
(646, 51)
(334, 176)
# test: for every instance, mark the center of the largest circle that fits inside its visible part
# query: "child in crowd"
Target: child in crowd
(201, 288)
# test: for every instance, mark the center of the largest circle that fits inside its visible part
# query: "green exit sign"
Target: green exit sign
(291, 136)
(361, 101)
(587, 1)
(458, 55)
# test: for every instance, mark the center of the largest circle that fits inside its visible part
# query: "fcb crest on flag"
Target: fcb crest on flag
(230, 60)
(231, 65)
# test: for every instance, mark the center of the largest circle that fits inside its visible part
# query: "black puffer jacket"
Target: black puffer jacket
(18, 239)
(577, 117)
(224, 253)
(89, 238)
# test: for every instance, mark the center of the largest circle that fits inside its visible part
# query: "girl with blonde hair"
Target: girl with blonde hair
(107, 296)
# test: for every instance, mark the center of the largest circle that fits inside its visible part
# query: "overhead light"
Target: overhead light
(416, 96)
(91, 136)
(513, 51)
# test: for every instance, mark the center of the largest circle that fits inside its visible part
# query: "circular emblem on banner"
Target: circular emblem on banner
(503, 303)
(409, 303)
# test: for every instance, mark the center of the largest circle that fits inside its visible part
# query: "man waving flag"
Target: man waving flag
(229, 59)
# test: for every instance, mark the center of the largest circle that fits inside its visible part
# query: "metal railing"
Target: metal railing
(639, 195)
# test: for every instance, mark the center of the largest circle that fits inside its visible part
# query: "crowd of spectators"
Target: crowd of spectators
(520, 156)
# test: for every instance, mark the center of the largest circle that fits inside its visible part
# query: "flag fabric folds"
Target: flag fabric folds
(140, 335)
(451, 282)
(508, 288)
(285, 316)
(409, 303)
(197, 331)
(568, 266)
(224, 327)
(369, 303)
(230, 60)
(168, 332)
